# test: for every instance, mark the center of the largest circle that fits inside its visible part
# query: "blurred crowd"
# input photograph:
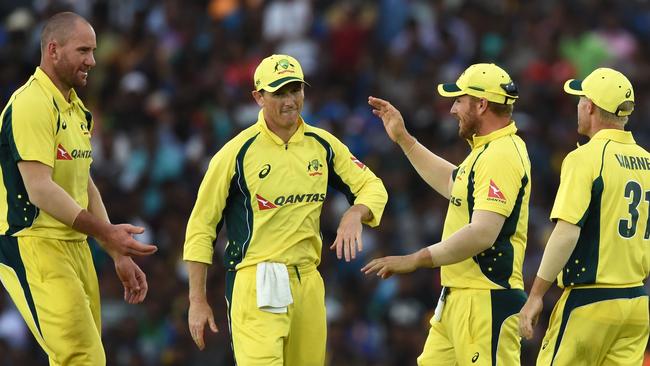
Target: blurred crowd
(172, 84)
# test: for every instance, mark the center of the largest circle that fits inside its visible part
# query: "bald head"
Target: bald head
(59, 28)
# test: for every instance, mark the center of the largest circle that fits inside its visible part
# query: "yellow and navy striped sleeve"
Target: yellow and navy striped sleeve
(29, 125)
(207, 216)
(353, 178)
(500, 182)
(574, 193)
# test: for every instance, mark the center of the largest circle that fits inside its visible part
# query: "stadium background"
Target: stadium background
(173, 82)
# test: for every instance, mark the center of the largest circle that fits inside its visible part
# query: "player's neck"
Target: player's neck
(48, 69)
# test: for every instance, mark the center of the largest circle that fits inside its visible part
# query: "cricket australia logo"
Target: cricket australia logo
(283, 66)
(314, 167)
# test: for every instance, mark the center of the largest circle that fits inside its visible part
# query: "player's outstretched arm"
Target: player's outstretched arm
(348, 235)
(48, 196)
(387, 266)
(200, 312)
(433, 169)
(470, 240)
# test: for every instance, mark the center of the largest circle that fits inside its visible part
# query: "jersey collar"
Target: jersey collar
(61, 103)
(624, 137)
(478, 141)
(297, 136)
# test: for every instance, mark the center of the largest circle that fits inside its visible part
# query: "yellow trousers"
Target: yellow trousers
(54, 286)
(294, 338)
(477, 328)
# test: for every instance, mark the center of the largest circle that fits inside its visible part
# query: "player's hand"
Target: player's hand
(348, 236)
(529, 315)
(119, 241)
(200, 313)
(387, 266)
(392, 119)
(132, 278)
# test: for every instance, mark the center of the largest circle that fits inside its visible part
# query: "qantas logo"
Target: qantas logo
(358, 162)
(264, 204)
(495, 192)
(62, 153)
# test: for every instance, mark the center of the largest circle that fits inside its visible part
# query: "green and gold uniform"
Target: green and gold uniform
(270, 195)
(602, 315)
(45, 265)
(483, 294)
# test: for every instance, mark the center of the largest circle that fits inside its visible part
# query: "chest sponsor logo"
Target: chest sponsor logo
(358, 162)
(314, 168)
(495, 193)
(264, 204)
(266, 169)
(62, 153)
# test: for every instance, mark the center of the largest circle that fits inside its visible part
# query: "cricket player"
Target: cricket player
(484, 236)
(599, 250)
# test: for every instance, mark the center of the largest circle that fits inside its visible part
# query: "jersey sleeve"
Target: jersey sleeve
(206, 217)
(30, 131)
(354, 179)
(498, 179)
(574, 193)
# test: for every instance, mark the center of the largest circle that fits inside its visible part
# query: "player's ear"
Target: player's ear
(259, 97)
(591, 107)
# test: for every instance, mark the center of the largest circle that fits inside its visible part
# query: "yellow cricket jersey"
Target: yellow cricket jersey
(605, 189)
(38, 124)
(494, 177)
(270, 195)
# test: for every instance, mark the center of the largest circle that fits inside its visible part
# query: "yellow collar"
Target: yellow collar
(297, 136)
(60, 100)
(624, 137)
(478, 141)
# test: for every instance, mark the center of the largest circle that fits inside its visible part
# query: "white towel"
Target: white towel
(437, 313)
(273, 289)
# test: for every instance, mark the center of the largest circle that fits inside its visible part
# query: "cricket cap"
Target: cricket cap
(606, 87)
(277, 70)
(487, 81)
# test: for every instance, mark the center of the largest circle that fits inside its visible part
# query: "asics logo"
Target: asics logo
(475, 357)
(266, 169)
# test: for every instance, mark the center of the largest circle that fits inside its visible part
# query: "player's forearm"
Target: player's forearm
(560, 245)
(469, 241)
(433, 169)
(360, 210)
(540, 287)
(47, 195)
(95, 203)
(197, 277)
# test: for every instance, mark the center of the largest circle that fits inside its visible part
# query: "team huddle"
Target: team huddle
(267, 186)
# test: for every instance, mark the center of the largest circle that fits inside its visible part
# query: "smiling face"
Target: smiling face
(465, 111)
(73, 57)
(282, 107)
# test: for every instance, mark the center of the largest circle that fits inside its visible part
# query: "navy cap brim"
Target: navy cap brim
(277, 84)
(574, 87)
(450, 90)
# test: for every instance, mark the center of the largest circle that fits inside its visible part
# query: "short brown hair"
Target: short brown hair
(59, 28)
(501, 110)
(627, 106)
